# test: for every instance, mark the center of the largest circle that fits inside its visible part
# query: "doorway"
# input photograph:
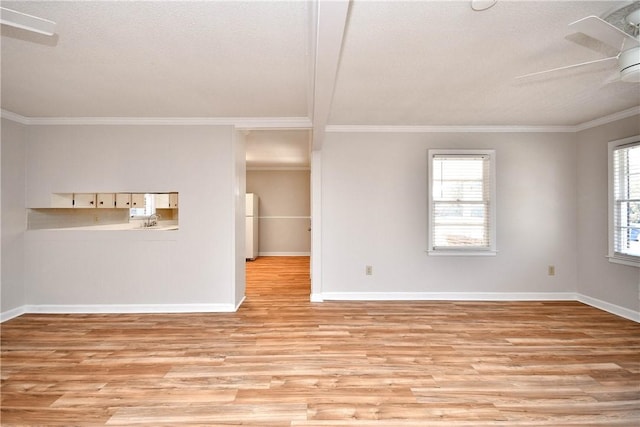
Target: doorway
(278, 174)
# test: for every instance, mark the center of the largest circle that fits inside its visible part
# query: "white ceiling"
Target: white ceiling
(158, 59)
(385, 63)
(437, 63)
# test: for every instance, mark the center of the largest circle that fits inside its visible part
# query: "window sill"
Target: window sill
(462, 253)
(623, 261)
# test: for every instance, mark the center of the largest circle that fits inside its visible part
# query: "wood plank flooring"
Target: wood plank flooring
(283, 361)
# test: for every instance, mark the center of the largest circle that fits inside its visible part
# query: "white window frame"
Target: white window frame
(614, 256)
(490, 250)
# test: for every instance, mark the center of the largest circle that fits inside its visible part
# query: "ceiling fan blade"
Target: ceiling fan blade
(567, 67)
(612, 78)
(600, 29)
(23, 21)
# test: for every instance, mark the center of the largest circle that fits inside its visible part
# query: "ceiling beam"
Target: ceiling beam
(331, 25)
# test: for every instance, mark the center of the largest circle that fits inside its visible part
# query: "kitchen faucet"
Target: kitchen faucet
(152, 220)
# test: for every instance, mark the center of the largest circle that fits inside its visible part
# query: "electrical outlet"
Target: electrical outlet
(551, 271)
(368, 270)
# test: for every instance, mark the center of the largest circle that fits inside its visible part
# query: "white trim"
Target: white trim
(279, 168)
(447, 296)
(238, 122)
(284, 254)
(284, 217)
(9, 115)
(609, 307)
(333, 296)
(14, 312)
(316, 298)
(306, 123)
(462, 251)
(447, 129)
(608, 119)
(244, 297)
(316, 224)
(488, 129)
(130, 308)
(624, 261)
(611, 181)
(118, 308)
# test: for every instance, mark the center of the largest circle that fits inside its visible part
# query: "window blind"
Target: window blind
(461, 201)
(626, 200)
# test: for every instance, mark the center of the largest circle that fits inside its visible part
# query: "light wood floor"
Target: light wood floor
(283, 361)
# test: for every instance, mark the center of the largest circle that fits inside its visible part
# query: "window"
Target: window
(148, 209)
(624, 201)
(462, 202)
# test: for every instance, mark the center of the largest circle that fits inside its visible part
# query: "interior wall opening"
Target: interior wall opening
(278, 208)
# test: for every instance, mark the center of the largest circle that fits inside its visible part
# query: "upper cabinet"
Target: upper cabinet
(166, 200)
(114, 200)
(106, 200)
(123, 200)
(137, 200)
(84, 200)
(73, 200)
(161, 201)
(173, 200)
(62, 200)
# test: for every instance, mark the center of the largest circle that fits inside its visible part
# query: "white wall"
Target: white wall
(598, 279)
(12, 148)
(374, 212)
(239, 200)
(285, 210)
(193, 267)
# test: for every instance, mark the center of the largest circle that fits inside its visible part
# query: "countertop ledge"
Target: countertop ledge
(130, 226)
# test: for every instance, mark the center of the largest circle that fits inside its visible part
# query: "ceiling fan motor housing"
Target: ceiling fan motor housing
(629, 63)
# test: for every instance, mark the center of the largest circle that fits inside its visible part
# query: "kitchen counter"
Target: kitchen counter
(130, 226)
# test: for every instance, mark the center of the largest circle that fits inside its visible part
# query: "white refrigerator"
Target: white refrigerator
(252, 231)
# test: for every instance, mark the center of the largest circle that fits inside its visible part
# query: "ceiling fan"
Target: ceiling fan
(16, 19)
(623, 36)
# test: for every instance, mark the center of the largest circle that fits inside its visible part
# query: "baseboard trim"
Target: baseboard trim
(240, 303)
(14, 312)
(611, 308)
(445, 296)
(118, 308)
(327, 296)
(316, 298)
(284, 254)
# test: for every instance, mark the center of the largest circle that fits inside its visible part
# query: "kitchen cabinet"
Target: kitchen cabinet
(173, 200)
(123, 200)
(106, 200)
(84, 200)
(161, 201)
(62, 200)
(137, 200)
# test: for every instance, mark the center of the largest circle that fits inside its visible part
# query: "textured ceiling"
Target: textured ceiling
(399, 63)
(437, 63)
(159, 59)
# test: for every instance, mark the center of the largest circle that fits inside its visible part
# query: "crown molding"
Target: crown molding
(238, 122)
(633, 111)
(448, 129)
(488, 129)
(5, 114)
(257, 123)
